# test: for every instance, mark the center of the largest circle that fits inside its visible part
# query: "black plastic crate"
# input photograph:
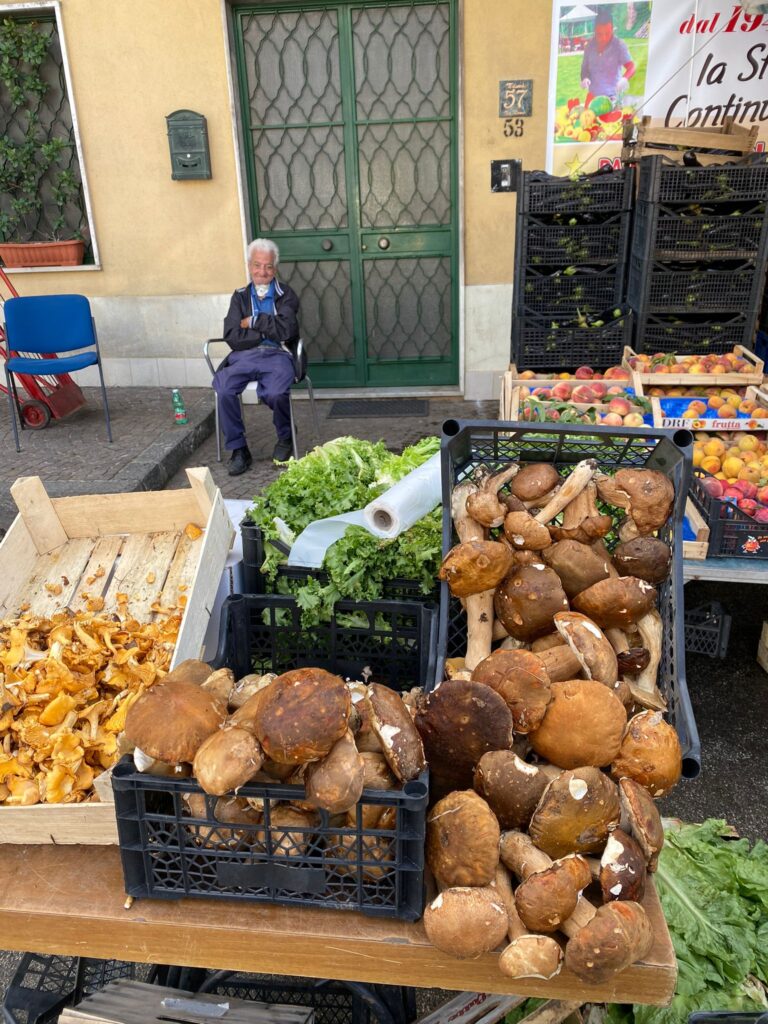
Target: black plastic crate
(691, 334)
(167, 853)
(467, 445)
(602, 192)
(538, 345)
(254, 582)
(673, 288)
(732, 533)
(707, 629)
(664, 181)
(661, 233)
(550, 291)
(572, 244)
(44, 984)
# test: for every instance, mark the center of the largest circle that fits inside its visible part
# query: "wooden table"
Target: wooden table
(70, 900)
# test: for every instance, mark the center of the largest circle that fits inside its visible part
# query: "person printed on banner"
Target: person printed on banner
(262, 318)
(607, 65)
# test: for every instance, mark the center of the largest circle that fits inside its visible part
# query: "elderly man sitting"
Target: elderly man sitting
(262, 317)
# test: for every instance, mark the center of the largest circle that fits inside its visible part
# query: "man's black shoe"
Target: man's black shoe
(283, 450)
(240, 461)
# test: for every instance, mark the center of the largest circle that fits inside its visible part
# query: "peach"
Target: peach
(620, 406)
(760, 414)
(711, 464)
(634, 419)
(748, 505)
(713, 486)
(762, 495)
(584, 373)
(715, 402)
(617, 373)
(748, 443)
(747, 406)
(698, 457)
(726, 412)
(698, 407)
(750, 475)
(561, 391)
(599, 388)
(732, 467)
(714, 447)
(583, 393)
(612, 419)
(761, 516)
(527, 375)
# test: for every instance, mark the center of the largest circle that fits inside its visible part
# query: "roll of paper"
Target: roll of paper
(389, 515)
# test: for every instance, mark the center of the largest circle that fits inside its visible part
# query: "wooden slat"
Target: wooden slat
(98, 569)
(668, 380)
(141, 573)
(178, 582)
(18, 556)
(90, 824)
(134, 512)
(37, 511)
(63, 568)
(204, 489)
(69, 900)
(216, 543)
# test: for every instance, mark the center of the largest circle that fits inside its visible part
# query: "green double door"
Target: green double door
(348, 117)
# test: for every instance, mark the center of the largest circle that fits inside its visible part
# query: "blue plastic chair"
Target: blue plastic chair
(49, 325)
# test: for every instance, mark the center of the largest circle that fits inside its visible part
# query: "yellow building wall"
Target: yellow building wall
(132, 62)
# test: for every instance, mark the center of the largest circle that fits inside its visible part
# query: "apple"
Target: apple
(761, 516)
(612, 419)
(712, 486)
(732, 493)
(620, 406)
(599, 388)
(562, 392)
(748, 505)
(583, 393)
(749, 490)
(762, 495)
(584, 373)
(634, 419)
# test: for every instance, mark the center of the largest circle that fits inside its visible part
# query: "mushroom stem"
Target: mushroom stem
(483, 504)
(560, 663)
(650, 628)
(527, 955)
(543, 501)
(479, 607)
(503, 884)
(618, 639)
(574, 485)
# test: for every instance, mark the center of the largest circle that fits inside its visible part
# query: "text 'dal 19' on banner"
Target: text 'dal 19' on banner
(682, 63)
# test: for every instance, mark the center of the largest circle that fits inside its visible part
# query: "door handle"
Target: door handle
(383, 243)
(326, 245)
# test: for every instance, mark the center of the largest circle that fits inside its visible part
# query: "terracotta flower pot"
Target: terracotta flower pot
(42, 254)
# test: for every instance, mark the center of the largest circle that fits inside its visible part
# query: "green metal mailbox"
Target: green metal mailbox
(188, 141)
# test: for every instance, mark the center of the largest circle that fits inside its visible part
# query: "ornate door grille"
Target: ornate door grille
(349, 121)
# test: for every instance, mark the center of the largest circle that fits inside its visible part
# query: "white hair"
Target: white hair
(263, 245)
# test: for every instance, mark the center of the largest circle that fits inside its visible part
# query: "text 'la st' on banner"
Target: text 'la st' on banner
(685, 64)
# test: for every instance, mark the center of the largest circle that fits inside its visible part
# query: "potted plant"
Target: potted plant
(35, 184)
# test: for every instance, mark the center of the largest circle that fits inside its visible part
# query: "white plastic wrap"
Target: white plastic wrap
(386, 517)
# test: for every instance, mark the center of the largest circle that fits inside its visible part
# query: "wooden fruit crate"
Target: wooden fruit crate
(134, 538)
(511, 382)
(514, 401)
(696, 549)
(711, 380)
(663, 418)
(648, 139)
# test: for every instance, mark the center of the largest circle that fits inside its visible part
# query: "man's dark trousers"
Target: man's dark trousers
(272, 369)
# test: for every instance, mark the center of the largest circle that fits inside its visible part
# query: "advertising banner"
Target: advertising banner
(685, 64)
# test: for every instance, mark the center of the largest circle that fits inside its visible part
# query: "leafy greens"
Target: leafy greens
(340, 476)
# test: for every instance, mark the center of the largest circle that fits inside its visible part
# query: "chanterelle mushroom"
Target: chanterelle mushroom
(646, 495)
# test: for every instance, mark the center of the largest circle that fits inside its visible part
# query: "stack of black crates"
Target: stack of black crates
(571, 251)
(699, 252)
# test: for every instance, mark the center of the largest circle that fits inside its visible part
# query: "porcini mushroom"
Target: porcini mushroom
(650, 753)
(303, 713)
(640, 817)
(584, 725)
(590, 645)
(523, 532)
(622, 868)
(618, 935)
(618, 602)
(220, 683)
(527, 599)
(519, 677)
(475, 566)
(576, 812)
(582, 520)
(462, 846)
(535, 481)
(170, 721)
(226, 760)
(478, 607)
(466, 922)
(647, 558)
(336, 782)
(483, 504)
(646, 495)
(577, 565)
(192, 670)
(527, 955)
(392, 723)
(511, 787)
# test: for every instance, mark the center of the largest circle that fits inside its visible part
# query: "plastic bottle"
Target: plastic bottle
(179, 409)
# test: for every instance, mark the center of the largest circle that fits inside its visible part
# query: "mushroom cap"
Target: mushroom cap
(170, 720)
(650, 754)
(641, 816)
(400, 741)
(246, 687)
(465, 922)
(485, 508)
(475, 566)
(622, 868)
(527, 599)
(647, 558)
(618, 935)
(192, 670)
(617, 602)
(292, 830)
(458, 722)
(646, 494)
(376, 772)
(534, 481)
(577, 565)
(584, 725)
(220, 683)
(532, 956)
(633, 661)
(226, 760)
(523, 532)
(511, 787)
(520, 678)
(591, 528)
(512, 504)
(336, 782)
(547, 898)
(590, 645)
(302, 714)
(575, 813)
(462, 845)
